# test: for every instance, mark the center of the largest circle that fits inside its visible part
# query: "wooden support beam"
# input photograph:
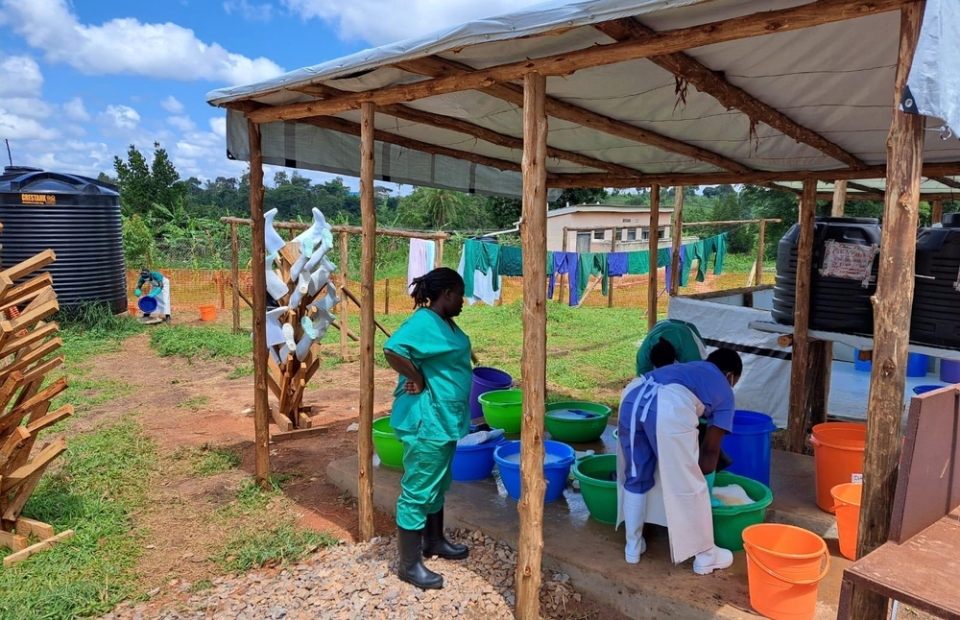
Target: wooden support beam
(436, 67)
(348, 127)
(29, 317)
(32, 286)
(14, 542)
(261, 405)
(30, 527)
(533, 363)
(467, 128)
(839, 198)
(368, 216)
(936, 212)
(344, 306)
(677, 241)
(25, 268)
(760, 248)
(38, 334)
(15, 478)
(39, 372)
(352, 230)
(14, 416)
(613, 248)
(821, 365)
(49, 419)
(235, 276)
(11, 445)
(800, 371)
(891, 308)
(667, 42)
(565, 181)
(653, 248)
(20, 556)
(947, 181)
(705, 80)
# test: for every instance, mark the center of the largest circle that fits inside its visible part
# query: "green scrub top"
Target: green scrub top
(442, 354)
(678, 333)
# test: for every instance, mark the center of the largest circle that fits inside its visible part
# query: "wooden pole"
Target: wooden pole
(353, 230)
(800, 367)
(613, 248)
(839, 198)
(438, 256)
(936, 212)
(760, 247)
(891, 309)
(235, 276)
(677, 241)
(533, 364)
(344, 307)
(653, 246)
(563, 278)
(368, 214)
(386, 296)
(261, 406)
(222, 288)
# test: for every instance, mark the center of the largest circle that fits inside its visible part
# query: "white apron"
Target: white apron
(679, 499)
(163, 299)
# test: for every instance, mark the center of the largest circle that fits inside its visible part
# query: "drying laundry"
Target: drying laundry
(565, 263)
(617, 264)
(483, 258)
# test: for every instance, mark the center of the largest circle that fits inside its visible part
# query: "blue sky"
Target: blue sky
(81, 80)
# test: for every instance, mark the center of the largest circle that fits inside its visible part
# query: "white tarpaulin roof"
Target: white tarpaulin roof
(834, 79)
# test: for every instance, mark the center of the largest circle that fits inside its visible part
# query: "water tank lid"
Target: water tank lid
(22, 179)
(951, 220)
(826, 219)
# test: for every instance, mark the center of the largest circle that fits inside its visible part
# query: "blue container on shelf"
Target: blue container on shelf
(558, 459)
(485, 380)
(923, 389)
(917, 364)
(749, 445)
(858, 365)
(147, 305)
(475, 462)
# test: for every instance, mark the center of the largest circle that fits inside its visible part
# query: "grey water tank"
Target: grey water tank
(79, 219)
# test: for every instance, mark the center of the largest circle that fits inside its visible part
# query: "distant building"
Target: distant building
(595, 226)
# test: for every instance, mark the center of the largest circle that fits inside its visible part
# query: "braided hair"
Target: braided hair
(428, 288)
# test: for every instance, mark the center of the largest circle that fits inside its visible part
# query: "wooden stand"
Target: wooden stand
(26, 343)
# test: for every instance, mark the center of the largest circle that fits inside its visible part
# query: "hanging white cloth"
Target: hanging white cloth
(679, 499)
(418, 264)
(482, 285)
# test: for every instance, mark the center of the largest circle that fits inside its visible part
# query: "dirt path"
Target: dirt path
(188, 408)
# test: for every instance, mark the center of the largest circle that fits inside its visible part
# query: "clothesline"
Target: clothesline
(483, 264)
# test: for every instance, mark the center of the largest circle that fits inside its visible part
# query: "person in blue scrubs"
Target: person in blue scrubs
(430, 414)
(659, 415)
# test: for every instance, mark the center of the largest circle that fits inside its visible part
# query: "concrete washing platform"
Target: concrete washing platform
(592, 552)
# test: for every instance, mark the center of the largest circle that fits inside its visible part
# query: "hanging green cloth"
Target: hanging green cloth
(638, 263)
(511, 261)
(482, 257)
(591, 264)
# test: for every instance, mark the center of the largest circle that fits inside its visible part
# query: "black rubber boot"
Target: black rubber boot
(436, 544)
(411, 568)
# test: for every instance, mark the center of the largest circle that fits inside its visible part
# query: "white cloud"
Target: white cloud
(171, 105)
(399, 20)
(14, 127)
(27, 107)
(21, 77)
(183, 123)
(75, 110)
(127, 46)
(119, 118)
(219, 126)
(249, 12)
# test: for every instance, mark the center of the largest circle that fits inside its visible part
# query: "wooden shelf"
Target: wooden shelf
(864, 343)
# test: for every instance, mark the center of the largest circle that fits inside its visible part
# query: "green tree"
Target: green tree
(142, 186)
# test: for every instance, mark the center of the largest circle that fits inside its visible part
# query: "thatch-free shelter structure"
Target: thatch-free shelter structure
(631, 93)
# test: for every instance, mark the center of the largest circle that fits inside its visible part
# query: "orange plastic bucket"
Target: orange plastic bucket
(847, 498)
(785, 565)
(208, 312)
(837, 457)
(132, 309)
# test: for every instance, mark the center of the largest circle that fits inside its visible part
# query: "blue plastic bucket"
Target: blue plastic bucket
(917, 364)
(558, 459)
(858, 365)
(474, 462)
(949, 371)
(923, 389)
(486, 379)
(147, 305)
(749, 445)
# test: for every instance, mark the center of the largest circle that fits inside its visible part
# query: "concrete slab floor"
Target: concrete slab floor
(592, 552)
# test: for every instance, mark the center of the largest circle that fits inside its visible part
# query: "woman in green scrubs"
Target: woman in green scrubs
(430, 414)
(683, 344)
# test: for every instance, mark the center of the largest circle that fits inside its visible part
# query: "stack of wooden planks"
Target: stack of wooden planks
(28, 345)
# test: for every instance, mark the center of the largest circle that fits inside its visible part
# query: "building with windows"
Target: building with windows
(591, 228)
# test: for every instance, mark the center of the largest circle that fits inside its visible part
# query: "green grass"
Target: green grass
(92, 330)
(102, 481)
(194, 403)
(208, 460)
(200, 342)
(241, 372)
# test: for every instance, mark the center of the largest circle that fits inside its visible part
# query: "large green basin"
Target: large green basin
(386, 444)
(730, 521)
(573, 429)
(598, 490)
(503, 409)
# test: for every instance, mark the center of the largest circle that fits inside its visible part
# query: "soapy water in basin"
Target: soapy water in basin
(572, 414)
(548, 459)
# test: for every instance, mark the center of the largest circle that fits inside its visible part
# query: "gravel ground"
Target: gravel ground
(358, 581)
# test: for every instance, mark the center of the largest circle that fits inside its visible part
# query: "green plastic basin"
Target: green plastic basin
(503, 409)
(386, 444)
(576, 430)
(598, 490)
(730, 521)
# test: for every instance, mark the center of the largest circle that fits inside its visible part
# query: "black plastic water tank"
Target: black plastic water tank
(79, 219)
(836, 304)
(936, 302)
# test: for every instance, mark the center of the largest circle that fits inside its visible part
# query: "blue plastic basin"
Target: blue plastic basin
(472, 463)
(147, 305)
(749, 445)
(923, 389)
(558, 459)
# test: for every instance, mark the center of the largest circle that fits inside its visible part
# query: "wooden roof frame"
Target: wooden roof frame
(633, 41)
